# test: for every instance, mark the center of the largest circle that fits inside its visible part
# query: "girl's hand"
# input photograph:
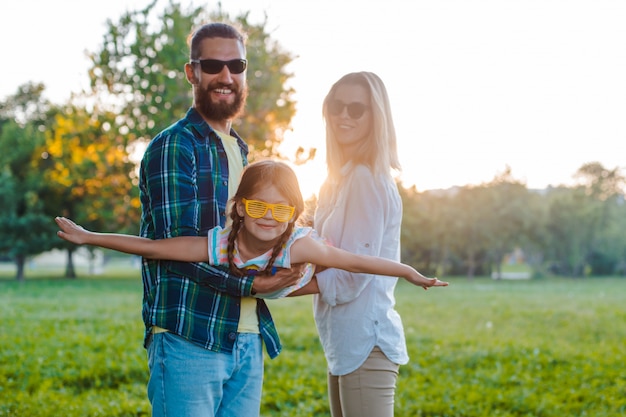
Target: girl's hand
(70, 231)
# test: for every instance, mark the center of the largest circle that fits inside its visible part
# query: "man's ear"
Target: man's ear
(190, 73)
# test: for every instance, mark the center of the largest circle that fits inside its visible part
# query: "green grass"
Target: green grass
(549, 348)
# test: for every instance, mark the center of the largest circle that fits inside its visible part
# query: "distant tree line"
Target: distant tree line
(570, 231)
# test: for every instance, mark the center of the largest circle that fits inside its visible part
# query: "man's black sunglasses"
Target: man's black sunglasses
(355, 110)
(215, 66)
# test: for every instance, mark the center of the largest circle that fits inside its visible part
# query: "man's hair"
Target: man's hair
(213, 30)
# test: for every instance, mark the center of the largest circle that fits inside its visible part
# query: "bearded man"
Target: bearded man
(204, 330)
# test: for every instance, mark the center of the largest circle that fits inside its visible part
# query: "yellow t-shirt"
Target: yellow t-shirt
(248, 319)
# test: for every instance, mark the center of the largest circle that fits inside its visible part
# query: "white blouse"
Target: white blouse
(355, 312)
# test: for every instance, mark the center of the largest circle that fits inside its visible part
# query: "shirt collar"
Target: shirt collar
(204, 130)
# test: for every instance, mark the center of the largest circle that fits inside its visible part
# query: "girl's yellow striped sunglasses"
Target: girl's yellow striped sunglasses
(257, 209)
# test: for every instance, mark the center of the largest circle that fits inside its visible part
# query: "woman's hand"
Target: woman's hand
(424, 282)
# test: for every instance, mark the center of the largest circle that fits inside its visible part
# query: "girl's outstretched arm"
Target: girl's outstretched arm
(182, 248)
(310, 250)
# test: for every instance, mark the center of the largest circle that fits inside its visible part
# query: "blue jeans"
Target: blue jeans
(187, 380)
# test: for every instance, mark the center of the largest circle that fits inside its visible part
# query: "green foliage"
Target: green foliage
(548, 348)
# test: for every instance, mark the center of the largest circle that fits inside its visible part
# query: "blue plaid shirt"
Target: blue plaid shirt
(183, 185)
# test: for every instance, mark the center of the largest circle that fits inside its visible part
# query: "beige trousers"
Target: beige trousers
(367, 392)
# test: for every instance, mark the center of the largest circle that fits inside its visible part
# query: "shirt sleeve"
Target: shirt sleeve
(362, 233)
(171, 183)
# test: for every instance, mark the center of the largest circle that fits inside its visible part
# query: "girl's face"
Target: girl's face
(266, 228)
(350, 116)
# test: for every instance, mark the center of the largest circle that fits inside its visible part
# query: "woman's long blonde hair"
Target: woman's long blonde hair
(379, 152)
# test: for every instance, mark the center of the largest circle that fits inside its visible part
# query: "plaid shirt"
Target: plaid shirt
(184, 191)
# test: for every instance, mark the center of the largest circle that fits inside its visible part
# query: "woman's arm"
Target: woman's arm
(182, 248)
(310, 250)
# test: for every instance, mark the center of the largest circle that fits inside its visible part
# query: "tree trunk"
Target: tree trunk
(70, 272)
(498, 274)
(470, 262)
(20, 261)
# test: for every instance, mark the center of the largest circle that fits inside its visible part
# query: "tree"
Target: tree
(572, 221)
(423, 229)
(139, 69)
(24, 226)
(27, 105)
(600, 182)
(90, 175)
(509, 217)
(606, 188)
(466, 229)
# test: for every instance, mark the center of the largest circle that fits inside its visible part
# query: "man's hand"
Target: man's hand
(283, 278)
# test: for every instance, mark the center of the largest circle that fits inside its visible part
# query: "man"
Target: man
(204, 331)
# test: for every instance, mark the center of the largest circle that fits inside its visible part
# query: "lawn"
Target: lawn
(551, 348)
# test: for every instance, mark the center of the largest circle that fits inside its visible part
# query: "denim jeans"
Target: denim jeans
(187, 380)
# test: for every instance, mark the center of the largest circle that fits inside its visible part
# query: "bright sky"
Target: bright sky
(475, 85)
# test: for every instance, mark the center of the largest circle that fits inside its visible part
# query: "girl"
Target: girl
(261, 237)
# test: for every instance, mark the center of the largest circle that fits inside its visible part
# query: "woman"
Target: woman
(360, 210)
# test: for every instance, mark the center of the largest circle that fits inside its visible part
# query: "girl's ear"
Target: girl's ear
(240, 208)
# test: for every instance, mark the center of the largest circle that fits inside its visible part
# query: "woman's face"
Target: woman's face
(350, 116)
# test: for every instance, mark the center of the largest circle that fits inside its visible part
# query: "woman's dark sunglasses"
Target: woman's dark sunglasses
(355, 110)
(215, 66)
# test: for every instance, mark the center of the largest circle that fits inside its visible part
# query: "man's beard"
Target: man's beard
(220, 110)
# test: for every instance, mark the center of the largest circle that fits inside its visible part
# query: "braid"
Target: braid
(278, 247)
(237, 222)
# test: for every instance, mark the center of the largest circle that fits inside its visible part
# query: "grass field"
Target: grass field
(550, 348)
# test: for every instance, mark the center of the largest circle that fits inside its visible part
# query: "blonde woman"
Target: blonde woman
(360, 211)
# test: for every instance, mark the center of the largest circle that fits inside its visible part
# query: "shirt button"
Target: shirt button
(232, 336)
(224, 182)
(367, 245)
(376, 322)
